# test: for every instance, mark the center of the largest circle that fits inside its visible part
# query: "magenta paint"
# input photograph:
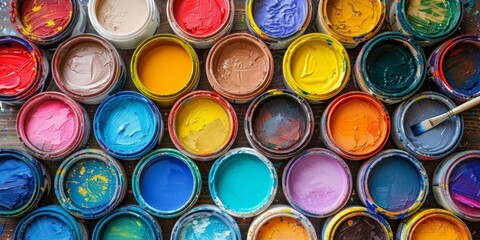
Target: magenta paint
(317, 182)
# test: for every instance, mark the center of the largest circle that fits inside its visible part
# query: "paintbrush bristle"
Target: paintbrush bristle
(421, 127)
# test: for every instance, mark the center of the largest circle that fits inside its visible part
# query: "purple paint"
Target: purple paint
(465, 186)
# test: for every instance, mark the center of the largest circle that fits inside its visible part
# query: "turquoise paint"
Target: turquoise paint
(126, 226)
(206, 226)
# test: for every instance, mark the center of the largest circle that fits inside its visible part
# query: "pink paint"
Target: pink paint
(200, 17)
(318, 182)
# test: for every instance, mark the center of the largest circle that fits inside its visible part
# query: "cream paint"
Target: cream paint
(121, 16)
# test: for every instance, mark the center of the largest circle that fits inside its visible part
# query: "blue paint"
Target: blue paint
(464, 185)
(205, 227)
(394, 183)
(279, 18)
(17, 183)
(167, 183)
(461, 67)
(49, 227)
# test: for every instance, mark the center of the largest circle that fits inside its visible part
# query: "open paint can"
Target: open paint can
(433, 224)
(243, 182)
(456, 184)
(239, 67)
(317, 182)
(435, 143)
(89, 184)
(391, 67)
(88, 68)
(355, 125)
(281, 222)
(202, 125)
(48, 23)
(126, 223)
(356, 222)
(166, 183)
(50, 222)
(301, 71)
(454, 67)
(206, 222)
(392, 183)
(125, 23)
(25, 70)
(51, 126)
(201, 23)
(128, 125)
(24, 183)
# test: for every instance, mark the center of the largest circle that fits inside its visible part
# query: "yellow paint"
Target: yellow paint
(99, 177)
(166, 69)
(36, 8)
(82, 191)
(50, 23)
(203, 125)
(436, 228)
(82, 170)
(354, 17)
(282, 228)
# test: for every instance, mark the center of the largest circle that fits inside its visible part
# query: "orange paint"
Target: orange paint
(282, 228)
(439, 227)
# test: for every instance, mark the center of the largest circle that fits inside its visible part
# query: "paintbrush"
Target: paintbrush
(430, 123)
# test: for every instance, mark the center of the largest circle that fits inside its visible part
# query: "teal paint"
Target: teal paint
(126, 227)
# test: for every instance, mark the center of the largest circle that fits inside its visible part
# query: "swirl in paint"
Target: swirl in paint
(430, 17)
(279, 18)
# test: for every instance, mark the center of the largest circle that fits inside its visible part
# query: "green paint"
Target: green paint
(126, 227)
(432, 17)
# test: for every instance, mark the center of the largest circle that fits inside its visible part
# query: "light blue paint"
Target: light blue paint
(279, 18)
(206, 227)
(17, 183)
(49, 228)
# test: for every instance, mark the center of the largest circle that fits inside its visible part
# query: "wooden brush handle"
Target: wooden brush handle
(465, 106)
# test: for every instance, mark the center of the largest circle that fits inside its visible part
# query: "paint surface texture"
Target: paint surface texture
(243, 183)
(240, 66)
(438, 228)
(200, 18)
(126, 227)
(282, 228)
(318, 183)
(17, 183)
(353, 17)
(51, 126)
(464, 185)
(165, 69)
(167, 183)
(360, 228)
(279, 18)
(279, 123)
(394, 184)
(391, 67)
(206, 226)
(17, 69)
(90, 184)
(358, 126)
(46, 18)
(49, 227)
(121, 16)
(203, 125)
(461, 68)
(87, 68)
(431, 17)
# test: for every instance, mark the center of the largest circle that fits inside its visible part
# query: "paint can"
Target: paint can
(454, 67)
(281, 222)
(278, 23)
(279, 124)
(164, 68)
(50, 222)
(302, 74)
(201, 23)
(355, 125)
(89, 184)
(243, 182)
(24, 183)
(456, 184)
(48, 23)
(393, 183)
(51, 126)
(206, 222)
(356, 222)
(202, 125)
(350, 21)
(391, 67)
(127, 125)
(435, 143)
(239, 67)
(428, 22)
(433, 224)
(128, 222)
(24, 72)
(124, 23)
(166, 183)
(88, 68)
(317, 182)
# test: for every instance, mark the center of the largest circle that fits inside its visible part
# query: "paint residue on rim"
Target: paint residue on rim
(354, 17)
(282, 227)
(200, 18)
(46, 18)
(18, 68)
(280, 18)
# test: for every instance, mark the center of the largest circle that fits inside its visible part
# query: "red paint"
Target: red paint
(18, 69)
(201, 17)
(46, 18)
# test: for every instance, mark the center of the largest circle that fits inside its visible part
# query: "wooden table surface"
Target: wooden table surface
(9, 139)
